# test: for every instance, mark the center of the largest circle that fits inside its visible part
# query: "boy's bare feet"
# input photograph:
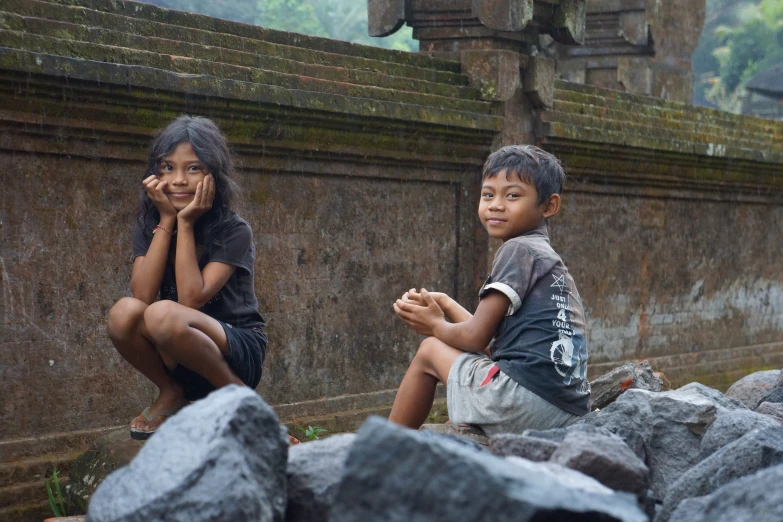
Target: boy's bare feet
(168, 401)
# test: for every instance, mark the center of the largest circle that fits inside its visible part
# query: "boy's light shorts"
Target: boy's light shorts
(502, 405)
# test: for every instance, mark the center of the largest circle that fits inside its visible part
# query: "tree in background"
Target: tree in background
(740, 39)
(337, 19)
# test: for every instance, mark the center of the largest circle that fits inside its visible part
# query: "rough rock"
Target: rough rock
(467, 431)
(719, 399)
(315, 470)
(524, 446)
(395, 474)
(775, 394)
(221, 458)
(608, 387)
(690, 509)
(110, 452)
(772, 409)
(630, 419)
(566, 477)
(752, 388)
(667, 425)
(756, 498)
(756, 450)
(606, 458)
(730, 426)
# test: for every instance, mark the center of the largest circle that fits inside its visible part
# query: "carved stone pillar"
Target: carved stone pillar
(637, 46)
(493, 39)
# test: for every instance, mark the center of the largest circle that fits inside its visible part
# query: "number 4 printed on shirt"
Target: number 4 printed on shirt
(562, 315)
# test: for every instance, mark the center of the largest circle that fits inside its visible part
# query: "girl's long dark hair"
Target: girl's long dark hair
(211, 148)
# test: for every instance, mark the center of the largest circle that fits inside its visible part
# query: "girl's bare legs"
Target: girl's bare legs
(168, 333)
(192, 339)
(431, 364)
(130, 337)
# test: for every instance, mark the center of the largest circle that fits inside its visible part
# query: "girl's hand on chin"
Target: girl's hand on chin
(155, 190)
(202, 201)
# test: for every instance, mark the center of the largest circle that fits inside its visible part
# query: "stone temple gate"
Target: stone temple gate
(360, 168)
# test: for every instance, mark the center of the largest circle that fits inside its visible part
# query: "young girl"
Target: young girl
(191, 248)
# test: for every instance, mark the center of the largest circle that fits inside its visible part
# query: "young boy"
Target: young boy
(521, 360)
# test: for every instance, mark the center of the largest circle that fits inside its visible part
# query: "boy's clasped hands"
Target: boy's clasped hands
(421, 311)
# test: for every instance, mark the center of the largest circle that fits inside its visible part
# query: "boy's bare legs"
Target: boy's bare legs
(170, 333)
(431, 364)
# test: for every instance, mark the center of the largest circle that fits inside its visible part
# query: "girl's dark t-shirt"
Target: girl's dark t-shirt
(236, 303)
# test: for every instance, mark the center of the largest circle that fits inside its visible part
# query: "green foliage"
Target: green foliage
(57, 505)
(337, 19)
(755, 43)
(314, 432)
(740, 38)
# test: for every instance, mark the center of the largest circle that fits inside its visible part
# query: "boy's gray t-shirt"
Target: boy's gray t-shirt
(540, 343)
(235, 304)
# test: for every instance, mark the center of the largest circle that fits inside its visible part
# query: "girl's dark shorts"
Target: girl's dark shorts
(246, 352)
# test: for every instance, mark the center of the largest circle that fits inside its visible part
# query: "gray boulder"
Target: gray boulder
(771, 409)
(775, 394)
(629, 418)
(538, 445)
(664, 428)
(221, 458)
(524, 446)
(691, 509)
(754, 451)
(730, 426)
(750, 389)
(606, 458)
(755, 498)
(608, 387)
(315, 470)
(396, 474)
(566, 477)
(466, 431)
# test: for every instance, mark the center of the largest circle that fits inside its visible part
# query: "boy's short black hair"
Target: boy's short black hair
(533, 165)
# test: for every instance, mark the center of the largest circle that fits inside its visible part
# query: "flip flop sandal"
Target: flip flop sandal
(144, 435)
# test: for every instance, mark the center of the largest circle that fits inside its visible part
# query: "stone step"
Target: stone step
(266, 97)
(623, 136)
(646, 105)
(31, 512)
(264, 58)
(143, 20)
(183, 65)
(705, 128)
(52, 444)
(648, 128)
(197, 21)
(349, 421)
(28, 492)
(35, 468)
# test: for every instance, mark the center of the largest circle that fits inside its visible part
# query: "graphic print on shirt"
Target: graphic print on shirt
(569, 352)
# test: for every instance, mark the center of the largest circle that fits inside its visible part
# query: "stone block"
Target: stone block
(396, 474)
(754, 451)
(494, 72)
(756, 498)
(730, 426)
(539, 81)
(467, 431)
(606, 458)
(221, 458)
(608, 387)
(523, 446)
(315, 470)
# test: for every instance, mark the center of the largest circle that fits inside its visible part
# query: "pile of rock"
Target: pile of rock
(691, 454)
